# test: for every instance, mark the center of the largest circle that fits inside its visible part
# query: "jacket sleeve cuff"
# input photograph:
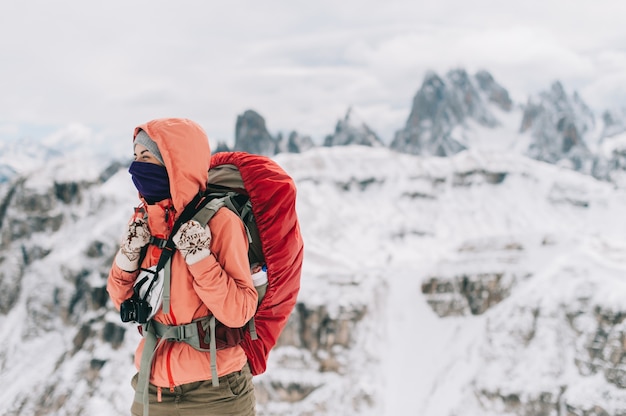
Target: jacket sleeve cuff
(202, 265)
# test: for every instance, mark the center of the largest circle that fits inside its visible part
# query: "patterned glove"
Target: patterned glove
(193, 241)
(135, 238)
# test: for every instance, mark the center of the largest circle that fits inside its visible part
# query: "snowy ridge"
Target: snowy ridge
(549, 229)
(65, 147)
(379, 228)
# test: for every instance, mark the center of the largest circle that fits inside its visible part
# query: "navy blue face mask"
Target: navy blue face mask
(151, 181)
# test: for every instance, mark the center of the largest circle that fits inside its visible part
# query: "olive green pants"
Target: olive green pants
(234, 396)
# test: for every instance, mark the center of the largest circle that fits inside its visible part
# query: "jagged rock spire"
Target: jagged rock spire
(614, 122)
(251, 135)
(558, 124)
(351, 130)
(441, 105)
(496, 93)
(298, 143)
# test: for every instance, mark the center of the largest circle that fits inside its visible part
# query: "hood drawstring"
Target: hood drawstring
(169, 217)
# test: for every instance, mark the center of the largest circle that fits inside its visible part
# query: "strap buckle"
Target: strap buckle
(159, 242)
(181, 335)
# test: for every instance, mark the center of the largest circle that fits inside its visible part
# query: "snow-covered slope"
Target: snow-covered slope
(555, 237)
(485, 283)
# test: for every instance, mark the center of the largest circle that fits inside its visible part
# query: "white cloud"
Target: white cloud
(116, 64)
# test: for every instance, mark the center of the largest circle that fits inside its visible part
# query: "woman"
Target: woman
(210, 274)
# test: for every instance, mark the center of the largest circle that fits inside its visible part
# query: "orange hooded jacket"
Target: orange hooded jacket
(220, 284)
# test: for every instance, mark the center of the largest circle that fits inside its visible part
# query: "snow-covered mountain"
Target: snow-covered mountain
(449, 114)
(473, 266)
(459, 111)
(70, 144)
(560, 126)
(441, 105)
(485, 283)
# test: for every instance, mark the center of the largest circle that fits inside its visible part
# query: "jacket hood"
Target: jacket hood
(186, 154)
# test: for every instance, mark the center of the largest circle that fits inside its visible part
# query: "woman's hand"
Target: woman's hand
(193, 241)
(135, 238)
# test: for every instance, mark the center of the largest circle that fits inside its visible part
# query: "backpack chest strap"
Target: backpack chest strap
(159, 242)
(197, 333)
(156, 334)
(194, 334)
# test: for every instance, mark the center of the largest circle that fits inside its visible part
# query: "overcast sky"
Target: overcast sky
(113, 64)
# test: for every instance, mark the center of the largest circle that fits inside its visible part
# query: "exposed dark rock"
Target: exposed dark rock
(11, 276)
(81, 336)
(95, 249)
(558, 124)
(466, 101)
(467, 294)
(350, 131)
(113, 334)
(614, 123)
(252, 136)
(67, 192)
(496, 93)
(111, 170)
(320, 333)
(441, 105)
(429, 125)
(297, 143)
(221, 147)
(478, 176)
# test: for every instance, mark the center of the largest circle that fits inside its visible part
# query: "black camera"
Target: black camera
(135, 310)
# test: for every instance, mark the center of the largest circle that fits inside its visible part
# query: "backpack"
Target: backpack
(274, 235)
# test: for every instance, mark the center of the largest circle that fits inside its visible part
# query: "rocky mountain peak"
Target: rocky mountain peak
(352, 130)
(614, 122)
(455, 112)
(558, 124)
(441, 105)
(467, 100)
(556, 92)
(296, 143)
(496, 93)
(251, 135)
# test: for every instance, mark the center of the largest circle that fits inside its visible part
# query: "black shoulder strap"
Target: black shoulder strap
(190, 210)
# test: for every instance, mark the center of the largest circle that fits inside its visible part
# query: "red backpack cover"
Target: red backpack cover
(273, 195)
